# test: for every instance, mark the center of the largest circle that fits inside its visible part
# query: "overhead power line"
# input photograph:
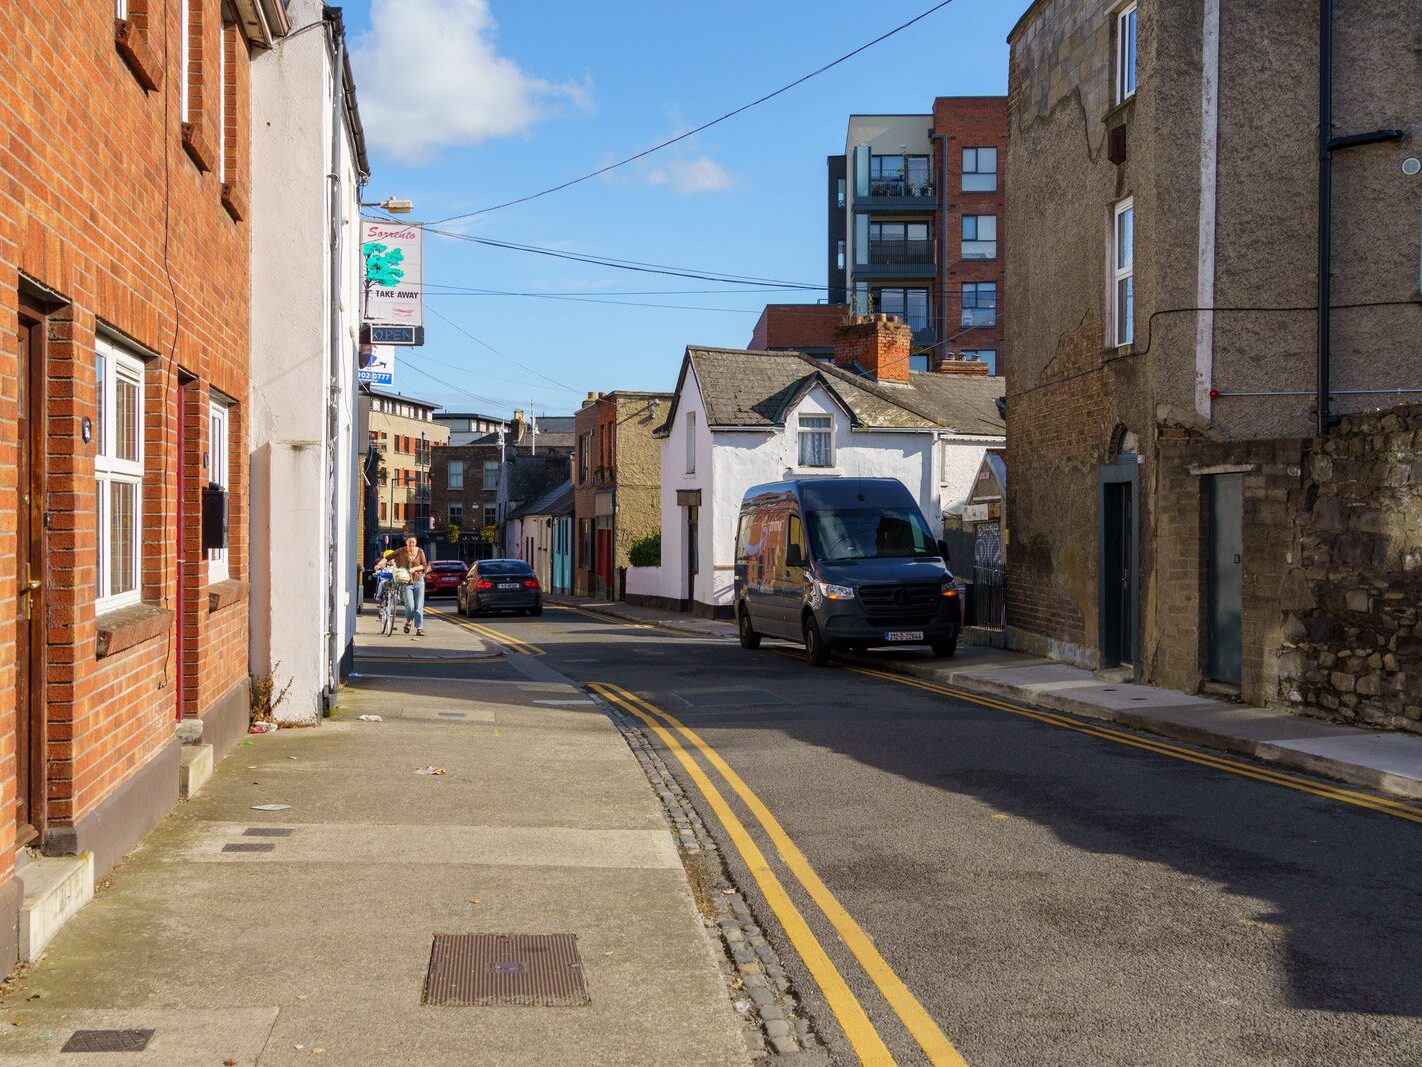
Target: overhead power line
(705, 125)
(504, 355)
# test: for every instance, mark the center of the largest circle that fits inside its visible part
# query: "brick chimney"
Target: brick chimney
(878, 343)
(973, 368)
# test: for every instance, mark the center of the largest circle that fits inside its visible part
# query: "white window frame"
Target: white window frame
(454, 474)
(110, 470)
(219, 473)
(691, 442)
(811, 425)
(1126, 38)
(1123, 272)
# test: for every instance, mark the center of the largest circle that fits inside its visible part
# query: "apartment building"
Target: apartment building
(406, 437)
(471, 427)
(1173, 385)
(124, 245)
(916, 225)
(616, 485)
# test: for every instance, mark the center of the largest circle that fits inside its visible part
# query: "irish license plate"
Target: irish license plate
(508, 585)
(903, 635)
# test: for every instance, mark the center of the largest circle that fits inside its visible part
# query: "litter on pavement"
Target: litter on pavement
(429, 770)
(262, 728)
(371, 718)
(270, 807)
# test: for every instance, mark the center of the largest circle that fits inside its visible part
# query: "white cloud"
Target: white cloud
(690, 176)
(430, 78)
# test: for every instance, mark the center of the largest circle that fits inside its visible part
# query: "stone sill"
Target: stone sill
(125, 628)
(224, 594)
(132, 45)
(197, 146)
(234, 199)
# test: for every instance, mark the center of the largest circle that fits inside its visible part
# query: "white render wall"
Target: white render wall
(962, 456)
(303, 516)
(744, 459)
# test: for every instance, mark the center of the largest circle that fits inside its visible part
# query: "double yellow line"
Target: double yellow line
(860, 1032)
(1380, 804)
(513, 644)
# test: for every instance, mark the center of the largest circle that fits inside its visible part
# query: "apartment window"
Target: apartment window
(899, 242)
(979, 304)
(118, 468)
(1123, 264)
(816, 443)
(983, 355)
(979, 170)
(911, 305)
(1126, 54)
(491, 474)
(691, 442)
(218, 475)
(491, 514)
(456, 514)
(897, 175)
(455, 474)
(383, 515)
(979, 236)
(839, 256)
(840, 186)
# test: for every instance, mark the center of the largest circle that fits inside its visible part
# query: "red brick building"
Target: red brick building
(123, 369)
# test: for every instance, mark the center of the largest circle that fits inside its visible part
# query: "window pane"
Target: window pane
(970, 227)
(1125, 238)
(979, 249)
(99, 500)
(1126, 305)
(979, 183)
(918, 361)
(916, 231)
(100, 400)
(987, 227)
(123, 555)
(970, 160)
(987, 160)
(891, 301)
(126, 419)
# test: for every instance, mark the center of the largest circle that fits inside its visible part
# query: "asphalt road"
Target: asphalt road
(1048, 897)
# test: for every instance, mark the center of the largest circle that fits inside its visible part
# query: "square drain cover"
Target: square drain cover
(107, 1041)
(267, 831)
(249, 846)
(493, 969)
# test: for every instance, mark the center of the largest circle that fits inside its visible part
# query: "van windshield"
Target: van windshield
(845, 534)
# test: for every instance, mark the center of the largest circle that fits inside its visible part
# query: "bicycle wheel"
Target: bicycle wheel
(387, 615)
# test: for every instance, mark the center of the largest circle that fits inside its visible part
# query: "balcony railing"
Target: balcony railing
(900, 187)
(892, 253)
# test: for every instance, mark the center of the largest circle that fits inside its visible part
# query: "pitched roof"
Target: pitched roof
(557, 501)
(755, 390)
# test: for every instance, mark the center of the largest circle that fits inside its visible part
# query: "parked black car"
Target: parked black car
(500, 585)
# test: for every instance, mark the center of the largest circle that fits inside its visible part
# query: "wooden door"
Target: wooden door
(29, 573)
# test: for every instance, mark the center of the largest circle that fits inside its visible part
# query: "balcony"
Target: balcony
(897, 194)
(898, 259)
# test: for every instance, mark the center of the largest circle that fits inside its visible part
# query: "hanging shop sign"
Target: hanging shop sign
(377, 364)
(394, 267)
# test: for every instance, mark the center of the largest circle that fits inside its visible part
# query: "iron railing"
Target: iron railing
(889, 252)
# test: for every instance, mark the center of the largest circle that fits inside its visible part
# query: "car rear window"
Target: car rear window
(504, 568)
(448, 565)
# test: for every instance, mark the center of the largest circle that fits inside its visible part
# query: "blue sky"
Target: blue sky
(472, 102)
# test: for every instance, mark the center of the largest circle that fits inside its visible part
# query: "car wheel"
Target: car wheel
(944, 647)
(536, 610)
(749, 638)
(817, 649)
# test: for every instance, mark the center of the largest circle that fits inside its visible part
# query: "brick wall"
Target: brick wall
(878, 343)
(108, 207)
(797, 326)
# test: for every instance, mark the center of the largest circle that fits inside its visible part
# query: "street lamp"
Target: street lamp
(395, 205)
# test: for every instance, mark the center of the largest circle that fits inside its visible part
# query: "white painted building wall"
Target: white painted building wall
(303, 417)
(730, 462)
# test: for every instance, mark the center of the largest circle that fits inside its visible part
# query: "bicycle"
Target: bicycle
(389, 598)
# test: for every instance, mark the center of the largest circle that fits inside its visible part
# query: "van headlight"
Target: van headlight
(948, 589)
(836, 592)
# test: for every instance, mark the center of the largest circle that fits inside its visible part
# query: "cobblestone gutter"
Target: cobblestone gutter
(773, 1022)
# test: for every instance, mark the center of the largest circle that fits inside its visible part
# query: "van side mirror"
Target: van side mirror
(793, 556)
(943, 548)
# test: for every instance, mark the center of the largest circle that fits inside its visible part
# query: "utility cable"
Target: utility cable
(705, 125)
(491, 348)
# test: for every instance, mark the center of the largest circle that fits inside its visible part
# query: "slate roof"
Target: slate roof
(528, 476)
(755, 390)
(557, 501)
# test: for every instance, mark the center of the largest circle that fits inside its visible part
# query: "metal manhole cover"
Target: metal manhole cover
(485, 970)
(249, 846)
(267, 831)
(107, 1041)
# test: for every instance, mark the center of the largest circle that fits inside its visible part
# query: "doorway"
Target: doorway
(693, 539)
(30, 735)
(1226, 618)
(1118, 565)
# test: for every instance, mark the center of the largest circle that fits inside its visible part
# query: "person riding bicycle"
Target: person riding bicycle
(383, 572)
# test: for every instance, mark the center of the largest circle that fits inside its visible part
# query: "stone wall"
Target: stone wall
(1353, 602)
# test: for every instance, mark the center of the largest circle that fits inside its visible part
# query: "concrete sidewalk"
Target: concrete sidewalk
(275, 937)
(1387, 761)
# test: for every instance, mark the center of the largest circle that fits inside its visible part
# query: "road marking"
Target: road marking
(1163, 748)
(919, 1023)
(862, 1036)
(604, 618)
(426, 660)
(513, 644)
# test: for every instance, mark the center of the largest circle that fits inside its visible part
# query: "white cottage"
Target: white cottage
(740, 418)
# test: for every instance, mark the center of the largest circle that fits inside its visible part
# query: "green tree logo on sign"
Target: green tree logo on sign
(382, 264)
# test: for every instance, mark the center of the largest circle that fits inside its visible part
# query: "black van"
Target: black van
(847, 562)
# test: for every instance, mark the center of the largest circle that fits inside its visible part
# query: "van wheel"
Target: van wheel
(817, 650)
(749, 638)
(944, 648)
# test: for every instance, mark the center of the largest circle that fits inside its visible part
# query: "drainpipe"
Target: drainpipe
(336, 41)
(1327, 145)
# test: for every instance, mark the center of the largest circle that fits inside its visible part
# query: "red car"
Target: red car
(444, 577)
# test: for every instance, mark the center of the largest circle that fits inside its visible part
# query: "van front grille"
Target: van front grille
(916, 603)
